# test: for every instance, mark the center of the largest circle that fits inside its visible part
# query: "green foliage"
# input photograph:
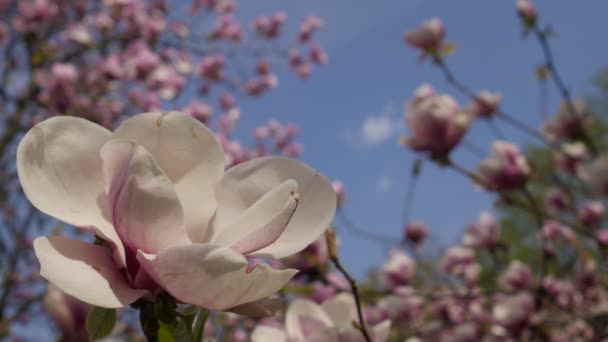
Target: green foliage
(100, 322)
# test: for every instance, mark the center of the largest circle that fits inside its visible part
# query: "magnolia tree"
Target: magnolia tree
(162, 226)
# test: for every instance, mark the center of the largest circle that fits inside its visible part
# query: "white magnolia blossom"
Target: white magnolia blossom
(155, 191)
(331, 321)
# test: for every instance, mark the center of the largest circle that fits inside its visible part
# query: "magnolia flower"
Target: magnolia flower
(68, 313)
(517, 276)
(398, 270)
(460, 261)
(340, 192)
(513, 313)
(570, 157)
(505, 169)
(484, 233)
(436, 121)
(526, 11)
(329, 322)
(568, 123)
(485, 104)
(596, 174)
(591, 213)
(557, 200)
(168, 216)
(427, 37)
(416, 232)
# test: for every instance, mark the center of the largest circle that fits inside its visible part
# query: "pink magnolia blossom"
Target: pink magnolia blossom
(506, 169)
(329, 322)
(570, 157)
(526, 11)
(460, 261)
(557, 200)
(596, 174)
(485, 104)
(68, 313)
(484, 233)
(517, 276)
(427, 37)
(592, 213)
(513, 313)
(416, 232)
(553, 230)
(309, 25)
(436, 122)
(567, 124)
(170, 217)
(340, 192)
(398, 270)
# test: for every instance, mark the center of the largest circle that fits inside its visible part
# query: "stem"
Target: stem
(451, 79)
(199, 324)
(559, 83)
(387, 240)
(331, 247)
(410, 192)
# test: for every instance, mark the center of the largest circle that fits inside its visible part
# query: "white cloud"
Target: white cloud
(378, 128)
(384, 184)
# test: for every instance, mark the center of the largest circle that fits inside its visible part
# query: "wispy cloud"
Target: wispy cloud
(378, 128)
(384, 184)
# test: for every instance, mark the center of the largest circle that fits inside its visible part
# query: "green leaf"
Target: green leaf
(100, 322)
(182, 332)
(165, 332)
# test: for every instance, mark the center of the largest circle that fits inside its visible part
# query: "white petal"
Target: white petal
(262, 223)
(190, 156)
(84, 271)
(145, 209)
(304, 318)
(213, 277)
(60, 171)
(381, 331)
(263, 333)
(246, 183)
(342, 309)
(262, 308)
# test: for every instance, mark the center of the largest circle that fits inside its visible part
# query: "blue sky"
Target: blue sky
(370, 76)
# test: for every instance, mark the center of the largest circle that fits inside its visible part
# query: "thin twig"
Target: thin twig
(387, 240)
(330, 237)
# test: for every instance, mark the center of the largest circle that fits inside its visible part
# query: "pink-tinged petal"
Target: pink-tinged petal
(341, 309)
(84, 271)
(213, 277)
(381, 331)
(259, 309)
(262, 223)
(263, 333)
(190, 156)
(304, 318)
(243, 185)
(60, 171)
(145, 209)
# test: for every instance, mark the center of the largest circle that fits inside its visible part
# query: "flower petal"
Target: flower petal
(246, 183)
(381, 331)
(60, 171)
(259, 309)
(214, 277)
(262, 223)
(263, 333)
(84, 271)
(304, 318)
(145, 209)
(342, 309)
(190, 156)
